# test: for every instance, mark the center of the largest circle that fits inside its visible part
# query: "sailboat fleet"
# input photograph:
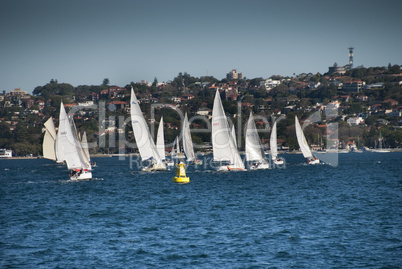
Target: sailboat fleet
(67, 146)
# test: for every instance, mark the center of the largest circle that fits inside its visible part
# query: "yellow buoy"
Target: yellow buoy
(181, 174)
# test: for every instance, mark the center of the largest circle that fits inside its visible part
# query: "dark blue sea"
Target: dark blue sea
(299, 216)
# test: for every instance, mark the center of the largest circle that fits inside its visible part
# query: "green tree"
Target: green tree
(155, 83)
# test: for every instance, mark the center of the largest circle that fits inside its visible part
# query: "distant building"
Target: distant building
(186, 97)
(17, 92)
(112, 91)
(335, 69)
(234, 75)
(86, 103)
(374, 86)
(175, 99)
(149, 84)
(352, 121)
(29, 103)
(269, 84)
(94, 97)
(6, 153)
(353, 86)
(119, 104)
(362, 98)
(231, 94)
(41, 104)
(204, 111)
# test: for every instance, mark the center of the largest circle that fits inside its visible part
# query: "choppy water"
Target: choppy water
(349, 216)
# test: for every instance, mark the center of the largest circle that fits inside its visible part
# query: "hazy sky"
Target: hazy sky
(84, 41)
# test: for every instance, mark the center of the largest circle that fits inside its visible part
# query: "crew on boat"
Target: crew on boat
(313, 159)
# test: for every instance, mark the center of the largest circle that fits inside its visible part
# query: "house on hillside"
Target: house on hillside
(269, 84)
(353, 121)
(204, 111)
(353, 86)
(231, 94)
(119, 104)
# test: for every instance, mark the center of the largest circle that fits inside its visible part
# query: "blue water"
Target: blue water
(348, 216)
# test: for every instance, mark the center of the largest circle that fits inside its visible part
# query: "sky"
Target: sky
(82, 42)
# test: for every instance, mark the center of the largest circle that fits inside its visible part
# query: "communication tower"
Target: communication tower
(351, 57)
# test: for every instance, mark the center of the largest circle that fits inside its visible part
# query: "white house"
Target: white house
(270, 83)
(355, 121)
(204, 111)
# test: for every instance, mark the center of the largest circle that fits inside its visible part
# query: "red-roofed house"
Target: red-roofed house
(119, 104)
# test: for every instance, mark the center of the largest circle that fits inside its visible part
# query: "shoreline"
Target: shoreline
(136, 154)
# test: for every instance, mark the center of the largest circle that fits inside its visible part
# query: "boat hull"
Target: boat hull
(229, 168)
(278, 162)
(259, 167)
(83, 176)
(154, 168)
(381, 150)
(314, 161)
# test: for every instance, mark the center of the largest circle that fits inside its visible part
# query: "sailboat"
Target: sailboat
(145, 143)
(380, 148)
(188, 143)
(254, 152)
(160, 140)
(304, 147)
(84, 143)
(71, 148)
(274, 145)
(176, 151)
(49, 140)
(223, 145)
(160, 144)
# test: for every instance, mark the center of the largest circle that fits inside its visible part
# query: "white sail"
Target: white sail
(142, 135)
(234, 135)
(68, 144)
(84, 144)
(254, 151)
(86, 163)
(58, 148)
(172, 153)
(223, 145)
(187, 142)
(178, 150)
(49, 140)
(301, 139)
(273, 142)
(160, 140)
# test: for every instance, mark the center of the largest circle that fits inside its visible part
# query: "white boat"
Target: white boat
(304, 147)
(188, 147)
(254, 152)
(71, 148)
(145, 143)
(223, 145)
(274, 146)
